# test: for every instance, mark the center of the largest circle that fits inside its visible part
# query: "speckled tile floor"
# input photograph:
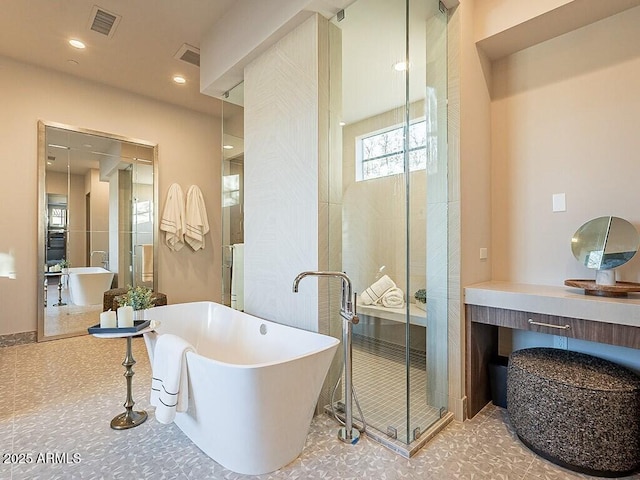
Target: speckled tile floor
(58, 398)
(68, 318)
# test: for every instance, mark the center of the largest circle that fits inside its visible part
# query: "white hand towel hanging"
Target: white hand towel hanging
(173, 218)
(170, 382)
(196, 219)
(237, 277)
(147, 262)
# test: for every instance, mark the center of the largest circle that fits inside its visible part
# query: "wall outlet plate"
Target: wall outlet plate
(559, 201)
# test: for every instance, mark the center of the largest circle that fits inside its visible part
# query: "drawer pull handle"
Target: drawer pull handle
(561, 327)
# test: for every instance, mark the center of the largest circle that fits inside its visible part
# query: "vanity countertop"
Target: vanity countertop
(555, 300)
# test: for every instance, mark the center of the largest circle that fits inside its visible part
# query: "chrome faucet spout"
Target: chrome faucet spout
(347, 306)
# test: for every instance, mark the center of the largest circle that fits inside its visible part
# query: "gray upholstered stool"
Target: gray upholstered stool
(576, 410)
(109, 296)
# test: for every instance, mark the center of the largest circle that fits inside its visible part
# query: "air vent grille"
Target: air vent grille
(103, 22)
(189, 54)
(191, 57)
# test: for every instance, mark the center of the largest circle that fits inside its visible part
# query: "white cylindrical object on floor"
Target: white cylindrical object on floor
(125, 316)
(108, 319)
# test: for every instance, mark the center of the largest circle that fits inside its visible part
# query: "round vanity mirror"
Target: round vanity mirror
(603, 244)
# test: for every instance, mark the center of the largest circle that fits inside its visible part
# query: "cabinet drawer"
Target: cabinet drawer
(602, 332)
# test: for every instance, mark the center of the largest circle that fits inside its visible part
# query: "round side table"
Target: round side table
(129, 418)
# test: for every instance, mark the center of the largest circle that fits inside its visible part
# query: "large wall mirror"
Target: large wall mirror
(97, 197)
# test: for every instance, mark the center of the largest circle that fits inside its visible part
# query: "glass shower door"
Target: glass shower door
(388, 144)
(233, 198)
(427, 215)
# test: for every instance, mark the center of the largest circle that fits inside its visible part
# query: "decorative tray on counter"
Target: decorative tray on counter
(137, 326)
(620, 289)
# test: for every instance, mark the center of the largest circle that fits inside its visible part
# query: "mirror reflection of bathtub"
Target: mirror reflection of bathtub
(97, 195)
(87, 285)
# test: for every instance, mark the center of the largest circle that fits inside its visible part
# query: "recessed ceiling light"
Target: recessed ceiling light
(227, 147)
(342, 124)
(179, 79)
(77, 44)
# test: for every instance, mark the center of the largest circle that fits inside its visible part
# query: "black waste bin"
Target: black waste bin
(498, 381)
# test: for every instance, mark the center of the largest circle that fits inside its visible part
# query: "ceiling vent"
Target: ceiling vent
(189, 54)
(103, 22)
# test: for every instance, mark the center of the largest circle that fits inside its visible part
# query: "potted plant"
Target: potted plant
(64, 265)
(139, 298)
(421, 298)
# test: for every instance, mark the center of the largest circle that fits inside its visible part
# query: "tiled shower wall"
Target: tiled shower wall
(286, 101)
(290, 188)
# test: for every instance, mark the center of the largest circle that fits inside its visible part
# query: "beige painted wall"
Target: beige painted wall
(469, 208)
(99, 215)
(189, 153)
(494, 16)
(564, 120)
(57, 182)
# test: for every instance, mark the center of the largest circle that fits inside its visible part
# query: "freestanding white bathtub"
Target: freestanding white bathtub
(253, 384)
(87, 284)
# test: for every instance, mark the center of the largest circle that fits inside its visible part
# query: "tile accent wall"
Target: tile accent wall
(285, 99)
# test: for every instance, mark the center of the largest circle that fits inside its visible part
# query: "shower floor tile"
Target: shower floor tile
(380, 380)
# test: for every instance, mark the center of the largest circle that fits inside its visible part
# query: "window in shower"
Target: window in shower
(230, 190)
(141, 212)
(380, 154)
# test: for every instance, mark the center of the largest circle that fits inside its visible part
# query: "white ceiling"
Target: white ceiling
(138, 57)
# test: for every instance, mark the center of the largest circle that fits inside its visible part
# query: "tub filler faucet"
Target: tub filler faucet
(348, 312)
(105, 258)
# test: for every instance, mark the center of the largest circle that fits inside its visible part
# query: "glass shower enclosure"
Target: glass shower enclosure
(233, 198)
(388, 218)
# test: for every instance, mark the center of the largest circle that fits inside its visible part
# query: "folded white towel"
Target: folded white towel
(393, 298)
(169, 383)
(173, 218)
(196, 219)
(374, 293)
